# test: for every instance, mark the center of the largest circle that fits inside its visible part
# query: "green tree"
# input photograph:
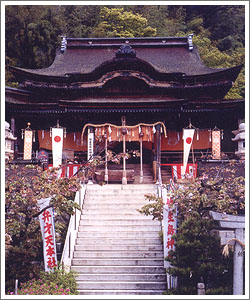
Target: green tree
(23, 187)
(198, 255)
(31, 39)
(80, 20)
(115, 22)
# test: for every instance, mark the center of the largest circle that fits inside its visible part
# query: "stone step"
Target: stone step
(120, 187)
(117, 262)
(113, 206)
(118, 250)
(114, 216)
(93, 248)
(119, 228)
(118, 285)
(118, 241)
(129, 166)
(115, 222)
(115, 213)
(114, 201)
(113, 192)
(119, 269)
(118, 197)
(122, 277)
(119, 234)
(121, 292)
(145, 180)
(117, 254)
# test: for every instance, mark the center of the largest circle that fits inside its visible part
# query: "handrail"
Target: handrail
(70, 239)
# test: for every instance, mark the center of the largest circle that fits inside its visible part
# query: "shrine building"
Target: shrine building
(127, 94)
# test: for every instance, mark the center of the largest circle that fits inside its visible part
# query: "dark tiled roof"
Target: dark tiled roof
(165, 55)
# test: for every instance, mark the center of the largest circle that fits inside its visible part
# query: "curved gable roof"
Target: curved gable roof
(164, 55)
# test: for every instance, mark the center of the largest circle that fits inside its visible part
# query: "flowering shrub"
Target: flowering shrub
(57, 282)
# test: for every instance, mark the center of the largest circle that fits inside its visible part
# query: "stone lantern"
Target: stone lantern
(240, 138)
(9, 142)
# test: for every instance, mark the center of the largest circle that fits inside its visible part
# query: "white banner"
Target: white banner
(216, 144)
(27, 148)
(46, 219)
(57, 146)
(90, 145)
(188, 135)
(169, 229)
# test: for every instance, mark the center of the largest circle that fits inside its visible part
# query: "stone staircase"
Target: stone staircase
(147, 171)
(166, 174)
(118, 250)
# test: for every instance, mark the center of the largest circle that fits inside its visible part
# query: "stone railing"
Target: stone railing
(70, 239)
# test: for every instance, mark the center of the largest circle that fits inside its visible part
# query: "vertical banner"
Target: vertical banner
(27, 148)
(188, 135)
(57, 146)
(169, 229)
(216, 144)
(90, 144)
(47, 225)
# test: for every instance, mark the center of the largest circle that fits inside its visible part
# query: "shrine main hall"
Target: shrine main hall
(127, 94)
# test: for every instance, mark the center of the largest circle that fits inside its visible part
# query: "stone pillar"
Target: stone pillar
(238, 263)
(200, 288)
(9, 142)
(240, 139)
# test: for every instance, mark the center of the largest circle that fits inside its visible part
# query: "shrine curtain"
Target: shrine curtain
(71, 142)
(174, 141)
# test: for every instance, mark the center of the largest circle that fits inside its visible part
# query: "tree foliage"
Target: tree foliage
(197, 256)
(33, 31)
(115, 22)
(25, 185)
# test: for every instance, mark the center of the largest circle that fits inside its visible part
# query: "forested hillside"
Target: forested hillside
(34, 32)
